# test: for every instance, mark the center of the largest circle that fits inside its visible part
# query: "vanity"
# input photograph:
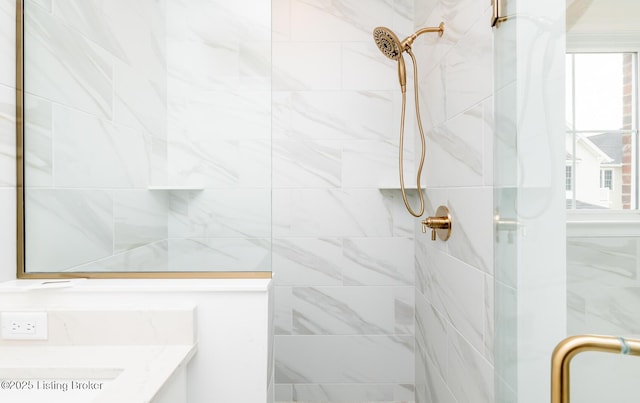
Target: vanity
(156, 340)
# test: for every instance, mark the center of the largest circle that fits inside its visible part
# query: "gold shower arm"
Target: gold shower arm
(408, 41)
(574, 345)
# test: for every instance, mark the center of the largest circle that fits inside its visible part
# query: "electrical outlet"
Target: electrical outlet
(24, 325)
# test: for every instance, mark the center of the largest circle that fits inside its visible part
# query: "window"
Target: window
(601, 136)
(606, 179)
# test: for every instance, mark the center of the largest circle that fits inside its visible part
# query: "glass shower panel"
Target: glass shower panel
(529, 198)
(147, 136)
(592, 282)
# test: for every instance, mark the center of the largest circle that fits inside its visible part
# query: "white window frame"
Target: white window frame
(606, 222)
(603, 178)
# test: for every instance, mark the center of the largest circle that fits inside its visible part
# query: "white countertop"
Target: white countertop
(145, 285)
(130, 373)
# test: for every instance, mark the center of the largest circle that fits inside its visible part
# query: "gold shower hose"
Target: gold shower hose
(422, 140)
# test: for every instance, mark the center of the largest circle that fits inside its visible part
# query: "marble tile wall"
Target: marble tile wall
(603, 296)
(342, 247)
(454, 279)
(219, 134)
(7, 141)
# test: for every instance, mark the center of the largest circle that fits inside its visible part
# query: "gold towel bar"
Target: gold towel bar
(574, 345)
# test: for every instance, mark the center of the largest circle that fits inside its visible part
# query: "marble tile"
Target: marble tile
(217, 163)
(341, 311)
(91, 21)
(488, 135)
(7, 43)
(228, 24)
(151, 257)
(378, 261)
(329, 115)
(364, 67)
(367, 163)
(430, 386)
(7, 137)
(614, 310)
(281, 27)
(404, 310)
(316, 163)
(344, 359)
(294, 66)
(403, 221)
(469, 69)
(90, 152)
(347, 20)
(240, 34)
(134, 33)
(489, 321)
(433, 96)
(470, 375)
(603, 261)
(458, 149)
(283, 310)
(330, 213)
(66, 228)
(460, 16)
(308, 261)
(38, 143)
(576, 312)
(505, 149)
(45, 4)
(283, 393)
(347, 310)
(506, 339)
(219, 254)
(140, 218)
(230, 114)
(220, 213)
(8, 234)
(471, 240)
(351, 393)
(139, 101)
(457, 293)
(78, 73)
(431, 334)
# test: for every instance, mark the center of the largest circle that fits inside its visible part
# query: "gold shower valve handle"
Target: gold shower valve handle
(440, 224)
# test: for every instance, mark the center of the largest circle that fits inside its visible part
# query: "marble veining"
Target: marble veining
(80, 82)
(308, 261)
(344, 359)
(82, 220)
(7, 136)
(38, 149)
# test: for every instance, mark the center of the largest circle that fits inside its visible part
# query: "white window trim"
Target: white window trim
(610, 43)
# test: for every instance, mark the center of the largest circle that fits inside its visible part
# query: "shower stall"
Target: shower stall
(286, 158)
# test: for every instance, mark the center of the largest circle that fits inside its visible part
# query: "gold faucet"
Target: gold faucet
(440, 224)
(574, 345)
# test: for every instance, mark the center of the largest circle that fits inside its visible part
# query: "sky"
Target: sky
(598, 79)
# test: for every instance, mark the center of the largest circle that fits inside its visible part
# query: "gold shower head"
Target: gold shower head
(387, 42)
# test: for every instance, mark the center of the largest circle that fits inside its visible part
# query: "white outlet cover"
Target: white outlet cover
(37, 320)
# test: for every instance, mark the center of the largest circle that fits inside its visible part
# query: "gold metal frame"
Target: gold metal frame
(572, 346)
(497, 17)
(20, 187)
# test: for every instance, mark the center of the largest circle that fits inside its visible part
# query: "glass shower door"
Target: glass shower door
(568, 248)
